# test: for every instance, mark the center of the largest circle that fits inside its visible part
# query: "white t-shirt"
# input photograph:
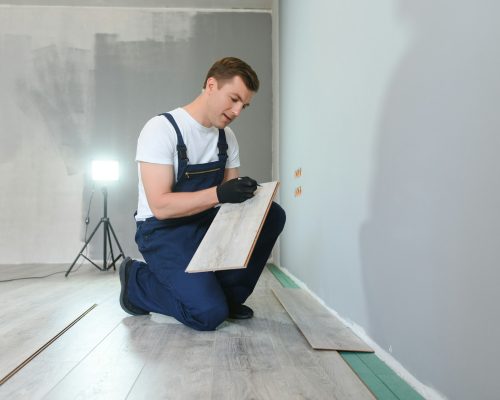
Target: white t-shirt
(157, 144)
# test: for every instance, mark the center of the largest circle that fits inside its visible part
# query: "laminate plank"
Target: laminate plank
(229, 242)
(37, 378)
(40, 309)
(337, 370)
(271, 359)
(179, 368)
(249, 365)
(310, 373)
(249, 385)
(109, 371)
(322, 329)
(245, 353)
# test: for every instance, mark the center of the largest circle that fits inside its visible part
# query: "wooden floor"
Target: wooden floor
(110, 355)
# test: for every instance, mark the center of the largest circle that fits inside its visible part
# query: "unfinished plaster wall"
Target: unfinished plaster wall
(79, 83)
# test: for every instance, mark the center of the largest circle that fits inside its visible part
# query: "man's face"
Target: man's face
(226, 100)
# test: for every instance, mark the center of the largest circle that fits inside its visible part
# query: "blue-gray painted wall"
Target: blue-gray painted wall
(391, 110)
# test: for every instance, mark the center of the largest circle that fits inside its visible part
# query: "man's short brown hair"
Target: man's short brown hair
(229, 67)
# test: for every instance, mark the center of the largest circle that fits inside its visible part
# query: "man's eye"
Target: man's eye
(234, 99)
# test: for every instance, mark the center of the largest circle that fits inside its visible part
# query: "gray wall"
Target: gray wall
(391, 110)
(80, 82)
(212, 4)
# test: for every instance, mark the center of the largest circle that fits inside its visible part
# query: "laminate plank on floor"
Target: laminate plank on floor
(109, 371)
(309, 373)
(321, 329)
(249, 364)
(38, 310)
(179, 368)
(230, 240)
(337, 370)
(38, 377)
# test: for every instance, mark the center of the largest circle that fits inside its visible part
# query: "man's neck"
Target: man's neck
(197, 110)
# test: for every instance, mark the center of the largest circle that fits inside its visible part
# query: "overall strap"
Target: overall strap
(222, 145)
(181, 147)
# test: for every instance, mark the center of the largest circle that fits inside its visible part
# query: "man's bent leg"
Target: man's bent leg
(196, 300)
(238, 284)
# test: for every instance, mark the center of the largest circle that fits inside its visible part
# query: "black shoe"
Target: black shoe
(124, 302)
(240, 311)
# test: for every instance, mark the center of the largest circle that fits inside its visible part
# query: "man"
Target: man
(188, 163)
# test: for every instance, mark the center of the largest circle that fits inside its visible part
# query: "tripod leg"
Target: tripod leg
(116, 240)
(118, 244)
(83, 248)
(112, 264)
(104, 244)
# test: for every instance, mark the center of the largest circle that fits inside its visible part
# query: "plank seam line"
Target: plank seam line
(36, 353)
(86, 355)
(151, 351)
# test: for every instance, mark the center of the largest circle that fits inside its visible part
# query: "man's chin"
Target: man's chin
(222, 125)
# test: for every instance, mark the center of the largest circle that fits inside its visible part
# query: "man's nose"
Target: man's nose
(237, 109)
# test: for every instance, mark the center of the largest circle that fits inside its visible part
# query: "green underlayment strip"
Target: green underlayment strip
(283, 278)
(382, 381)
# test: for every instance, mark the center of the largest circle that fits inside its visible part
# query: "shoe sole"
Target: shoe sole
(123, 274)
(247, 315)
(239, 317)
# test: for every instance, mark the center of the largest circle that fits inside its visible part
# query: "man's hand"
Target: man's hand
(236, 190)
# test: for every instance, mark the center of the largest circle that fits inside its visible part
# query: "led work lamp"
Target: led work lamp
(103, 171)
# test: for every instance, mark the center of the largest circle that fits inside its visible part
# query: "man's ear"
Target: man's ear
(211, 84)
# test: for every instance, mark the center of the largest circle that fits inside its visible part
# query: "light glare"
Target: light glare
(105, 170)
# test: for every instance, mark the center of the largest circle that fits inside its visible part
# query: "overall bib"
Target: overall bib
(199, 300)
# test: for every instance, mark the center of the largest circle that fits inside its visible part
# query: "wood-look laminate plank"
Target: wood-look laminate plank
(40, 309)
(38, 377)
(248, 364)
(310, 373)
(321, 329)
(109, 371)
(229, 242)
(291, 368)
(179, 368)
(249, 385)
(337, 370)
(45, 346)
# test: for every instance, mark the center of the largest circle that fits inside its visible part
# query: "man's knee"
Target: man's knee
(276, 218)
(210, 318)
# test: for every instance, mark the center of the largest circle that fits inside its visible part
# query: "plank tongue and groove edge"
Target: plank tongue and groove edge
(322, 329)
(230, 239)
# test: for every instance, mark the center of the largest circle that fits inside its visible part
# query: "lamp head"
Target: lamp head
(105, 170)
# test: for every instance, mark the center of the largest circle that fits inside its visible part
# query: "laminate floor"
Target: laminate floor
(110, 355)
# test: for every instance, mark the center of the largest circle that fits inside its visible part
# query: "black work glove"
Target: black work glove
(236, 190)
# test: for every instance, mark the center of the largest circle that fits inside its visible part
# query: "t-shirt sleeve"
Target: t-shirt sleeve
(157, 142)
(233, 152)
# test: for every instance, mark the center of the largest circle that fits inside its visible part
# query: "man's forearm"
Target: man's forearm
(182, 204)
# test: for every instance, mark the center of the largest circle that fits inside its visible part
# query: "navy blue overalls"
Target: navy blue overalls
(199, 300)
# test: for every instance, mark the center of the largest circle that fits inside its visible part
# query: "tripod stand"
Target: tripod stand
(106, 239)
